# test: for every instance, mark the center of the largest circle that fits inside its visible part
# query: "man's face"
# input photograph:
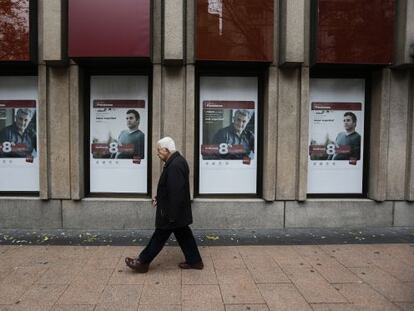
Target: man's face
(163, 153)
(22, 121)
(132, 121)
(240, 122)
(349, 124)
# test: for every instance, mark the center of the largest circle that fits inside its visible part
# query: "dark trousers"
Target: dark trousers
(184, 237)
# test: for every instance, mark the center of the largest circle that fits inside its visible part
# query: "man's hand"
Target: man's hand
(154, 202)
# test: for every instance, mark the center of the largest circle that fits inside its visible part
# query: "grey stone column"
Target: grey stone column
(289, 104)
(379, 135)
(77, 133)
(173, 31)
(59, 133)
(43, 133)
(410, 167)
(189, 129)
(398, 135)
(302, 157)
(173, 104)
(270, 134)
(156, 125)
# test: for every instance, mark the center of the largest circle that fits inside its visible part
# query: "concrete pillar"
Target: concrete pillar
(59, 133)
(270, 134)
(379, 135)
(156, 31)
(404, 33)
(288, 133)
(43, 133)
(398, 130)
(54, 30)
(173, 104)
(190, 30)
(173, 31)
(156, 125)
(302, 187)
(189, 130)
(410, 167)
(292, 32)
(77, 133)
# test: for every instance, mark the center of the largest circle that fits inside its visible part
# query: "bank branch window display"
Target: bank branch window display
(19, 154)
(228, 150)
(336, 136)
(118, 134)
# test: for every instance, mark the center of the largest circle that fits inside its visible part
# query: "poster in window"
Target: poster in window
(19, 159)
(228, 135)
(118, 134)
(336, 135)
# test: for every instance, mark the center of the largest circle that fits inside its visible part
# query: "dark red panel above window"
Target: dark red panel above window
(109, 28)
(354, 31)
(235, 30)
(14, 30)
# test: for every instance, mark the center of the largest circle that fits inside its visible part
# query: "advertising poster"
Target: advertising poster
(336, 124)
(19, 159)
(118, 134)
(228, 134)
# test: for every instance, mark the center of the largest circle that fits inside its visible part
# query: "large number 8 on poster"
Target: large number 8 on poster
(113, 147)
(330, 149)
(223, 149)
(7, 147)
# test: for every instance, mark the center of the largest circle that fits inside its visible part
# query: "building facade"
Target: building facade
(291, 113)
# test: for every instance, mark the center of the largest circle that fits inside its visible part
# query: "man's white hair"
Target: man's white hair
(167, 143)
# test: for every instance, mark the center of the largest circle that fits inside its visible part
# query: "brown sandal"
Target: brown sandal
(136, 265)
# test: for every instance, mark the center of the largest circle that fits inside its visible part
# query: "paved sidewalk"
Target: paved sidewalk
(235, 278)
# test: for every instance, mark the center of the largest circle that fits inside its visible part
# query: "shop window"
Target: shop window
(118, 134)
(228, 135)
(19, 150)
(336, 136)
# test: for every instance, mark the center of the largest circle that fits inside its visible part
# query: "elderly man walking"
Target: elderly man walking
(173, 212)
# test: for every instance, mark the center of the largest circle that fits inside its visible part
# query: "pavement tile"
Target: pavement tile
(73, 308)
(406, 306)
(59, 275)
(354, 255)
(287, 256)
(326, 265)
(18, 282)
(231, 276)
(386, 284)
(240, 293)
(313, 286)
(204, 307)
(201, 294)
(87, 293)
(161, 294)
(247, 307)
(226, 258)
(87, 287)
(163, 275)
(351, 307)
(43, 294)
(395, 267)
(264, 269)
(205, 276)
(363, 294)
(336, 274)
(26, 306)
(402, 252)
(159, 308)
(124, 275)
(126, 296)
(283, 297)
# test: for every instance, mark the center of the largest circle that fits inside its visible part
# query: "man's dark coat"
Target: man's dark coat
(173, 194)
